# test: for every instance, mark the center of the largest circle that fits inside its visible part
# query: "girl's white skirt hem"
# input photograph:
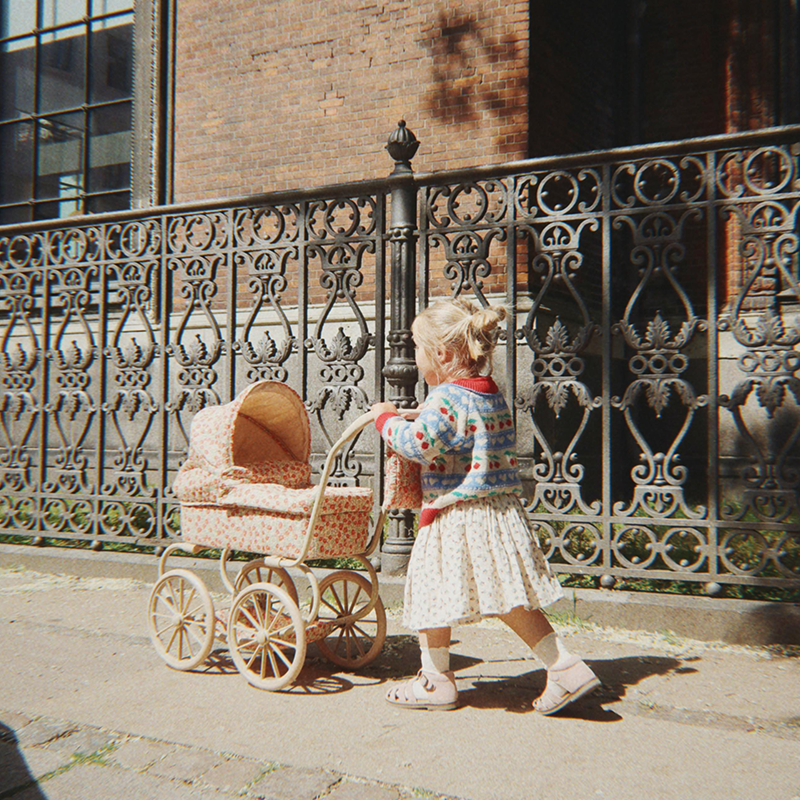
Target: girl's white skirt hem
(476, 559)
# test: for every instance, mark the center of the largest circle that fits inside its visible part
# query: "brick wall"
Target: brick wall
(750, 102)
(290, 93)
(751, 68)
(281, 94)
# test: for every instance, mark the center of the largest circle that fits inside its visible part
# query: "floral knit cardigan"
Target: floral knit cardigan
(464, 437)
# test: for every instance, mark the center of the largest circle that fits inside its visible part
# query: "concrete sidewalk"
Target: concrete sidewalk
(88, 711)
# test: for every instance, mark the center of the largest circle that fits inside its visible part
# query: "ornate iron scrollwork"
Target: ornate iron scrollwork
(131, 353)
(656, 311)
(339, 233)
(658, 363)
(267, 246)
(768, 339)
(465, 228)
(19, 405)
(72, 353)
(558, 351)
(196, 244)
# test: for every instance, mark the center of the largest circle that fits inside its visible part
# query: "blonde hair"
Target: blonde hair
(465, 330)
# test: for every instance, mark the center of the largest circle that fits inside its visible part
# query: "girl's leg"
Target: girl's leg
(434, 686)
(568, 677)
(434, 645)
(530, 625)
(533, 627)
(435, 637)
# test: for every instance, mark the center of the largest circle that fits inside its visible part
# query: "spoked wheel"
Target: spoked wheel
(181, 619)
(266, 636)
(352, 644)
(258, 572)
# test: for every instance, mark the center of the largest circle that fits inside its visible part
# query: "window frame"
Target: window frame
(147, 99)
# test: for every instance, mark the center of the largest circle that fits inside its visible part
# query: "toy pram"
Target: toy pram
(246, 485)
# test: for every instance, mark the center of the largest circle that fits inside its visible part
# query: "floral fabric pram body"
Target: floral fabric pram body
(246, 485)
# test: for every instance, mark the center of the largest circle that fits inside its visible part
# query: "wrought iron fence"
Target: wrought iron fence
(116, 331)
(651, 356)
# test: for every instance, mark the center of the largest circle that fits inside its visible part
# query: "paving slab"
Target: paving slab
(234, 775)
(292, 783)
(82, 742)
(139, 754)
(41, 731)
(97, 781)
(185, 763)
(349, 790)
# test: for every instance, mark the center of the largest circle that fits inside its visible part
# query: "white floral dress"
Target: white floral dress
(476, 559)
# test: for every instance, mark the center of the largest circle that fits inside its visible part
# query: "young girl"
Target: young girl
(475, 555)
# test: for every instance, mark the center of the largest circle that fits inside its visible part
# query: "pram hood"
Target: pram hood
(253, 453)
(266, 422)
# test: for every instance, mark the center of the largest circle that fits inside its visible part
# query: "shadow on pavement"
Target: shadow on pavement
(218, 662)
(400, 659)
(516, 694)
(14, 772)
(314, 678)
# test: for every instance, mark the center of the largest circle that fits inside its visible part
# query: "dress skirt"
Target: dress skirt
(476, 559)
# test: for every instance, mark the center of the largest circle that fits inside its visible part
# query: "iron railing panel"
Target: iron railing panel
(651, 356)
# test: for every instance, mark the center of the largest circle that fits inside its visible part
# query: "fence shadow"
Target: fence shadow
(773, 624)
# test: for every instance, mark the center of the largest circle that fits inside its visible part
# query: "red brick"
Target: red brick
(285, 99)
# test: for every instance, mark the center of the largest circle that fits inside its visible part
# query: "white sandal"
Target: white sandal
(564, 686)
(438, 689)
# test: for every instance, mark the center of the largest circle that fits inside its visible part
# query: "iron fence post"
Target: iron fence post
(401, 370)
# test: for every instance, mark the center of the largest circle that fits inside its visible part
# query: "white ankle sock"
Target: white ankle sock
(435, 659)
(550, 650)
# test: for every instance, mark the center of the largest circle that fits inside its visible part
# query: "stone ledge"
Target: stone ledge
(744, 622)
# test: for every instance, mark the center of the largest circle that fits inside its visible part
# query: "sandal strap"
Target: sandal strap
(422, 678)
(435, 693)
(564, 685)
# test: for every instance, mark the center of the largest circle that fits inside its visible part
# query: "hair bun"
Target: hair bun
(487, 318)
(465, 329)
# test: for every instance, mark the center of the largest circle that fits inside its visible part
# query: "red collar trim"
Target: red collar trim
(484, 384)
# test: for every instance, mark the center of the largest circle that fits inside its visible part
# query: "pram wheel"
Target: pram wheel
(357, 643)
(257, 572)
(266, 636)
(181, 619)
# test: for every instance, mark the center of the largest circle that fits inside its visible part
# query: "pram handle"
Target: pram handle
(356, 426)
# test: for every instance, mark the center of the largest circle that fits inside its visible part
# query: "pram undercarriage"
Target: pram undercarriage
(263, 625)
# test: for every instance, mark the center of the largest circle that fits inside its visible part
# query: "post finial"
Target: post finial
(402, 147)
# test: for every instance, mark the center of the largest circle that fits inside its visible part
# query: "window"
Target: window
(66, 91)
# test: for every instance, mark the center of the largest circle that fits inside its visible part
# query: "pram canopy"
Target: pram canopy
(246, 482)
(266, 422)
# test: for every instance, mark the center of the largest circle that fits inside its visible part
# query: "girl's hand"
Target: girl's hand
(410, 413)
(383, 408)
